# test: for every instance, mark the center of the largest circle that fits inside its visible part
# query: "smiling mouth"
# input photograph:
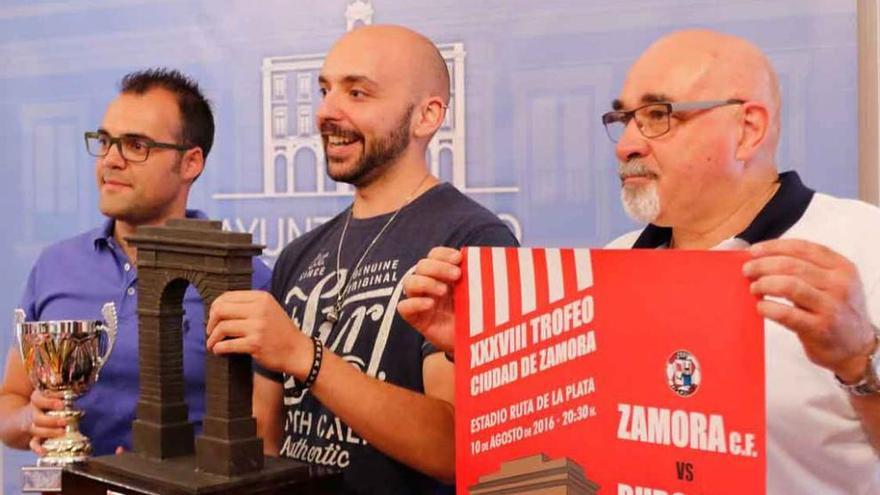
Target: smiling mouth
(335, 135)
(336, 140)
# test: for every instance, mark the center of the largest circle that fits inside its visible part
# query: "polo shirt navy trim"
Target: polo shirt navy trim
(783, 210)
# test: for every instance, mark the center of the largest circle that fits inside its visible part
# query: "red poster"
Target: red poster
(637, 372)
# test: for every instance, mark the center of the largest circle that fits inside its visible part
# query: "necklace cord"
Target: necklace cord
(336, 310)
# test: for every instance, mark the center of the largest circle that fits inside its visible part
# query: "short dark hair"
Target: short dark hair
(197, 120)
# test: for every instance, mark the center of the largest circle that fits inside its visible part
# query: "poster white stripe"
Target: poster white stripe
(527, 280)
(502, 297)
(583, 268)
(555, 284)
(475, 291)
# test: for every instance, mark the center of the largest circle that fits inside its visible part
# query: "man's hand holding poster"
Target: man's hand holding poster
(599, 371)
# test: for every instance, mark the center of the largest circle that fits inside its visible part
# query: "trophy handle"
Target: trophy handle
(18, 317)
(109, 327)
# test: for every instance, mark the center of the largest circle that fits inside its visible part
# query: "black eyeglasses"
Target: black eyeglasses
(132, 148)
(653, 119)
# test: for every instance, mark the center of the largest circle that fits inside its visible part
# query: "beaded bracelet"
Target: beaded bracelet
(316, 367)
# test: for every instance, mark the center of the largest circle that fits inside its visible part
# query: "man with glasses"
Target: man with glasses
(697, 125)
(150, 148)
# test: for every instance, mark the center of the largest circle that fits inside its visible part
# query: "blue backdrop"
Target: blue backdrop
(523, 137)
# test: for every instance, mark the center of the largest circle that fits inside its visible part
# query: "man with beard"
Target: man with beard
(697, 125)
(151, 146)
(343, 382)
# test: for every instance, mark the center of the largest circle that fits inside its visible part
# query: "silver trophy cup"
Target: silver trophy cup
(62, 359)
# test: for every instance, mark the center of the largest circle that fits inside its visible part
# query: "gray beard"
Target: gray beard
(641, 203)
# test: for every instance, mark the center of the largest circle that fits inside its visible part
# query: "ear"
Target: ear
(192, 164)
(432, 112)
(753, 130)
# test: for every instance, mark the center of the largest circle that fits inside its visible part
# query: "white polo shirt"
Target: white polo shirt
(815, 441)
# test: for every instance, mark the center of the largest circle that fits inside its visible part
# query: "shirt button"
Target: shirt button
(130, 291)
(127, 266)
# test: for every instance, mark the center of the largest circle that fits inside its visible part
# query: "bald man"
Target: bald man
(697, 125)
(343, 382)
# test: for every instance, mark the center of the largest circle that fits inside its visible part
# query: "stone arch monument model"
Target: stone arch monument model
(227, 457)
(169, 259)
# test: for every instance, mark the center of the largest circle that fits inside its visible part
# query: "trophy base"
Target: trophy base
(59, 461)
(69, 448)
(65, 450)
(41, 479)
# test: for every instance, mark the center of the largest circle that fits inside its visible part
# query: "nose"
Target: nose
(328, 109)
(632, 144)
(113, 158)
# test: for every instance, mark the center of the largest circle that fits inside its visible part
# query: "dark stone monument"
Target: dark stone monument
(228, 456)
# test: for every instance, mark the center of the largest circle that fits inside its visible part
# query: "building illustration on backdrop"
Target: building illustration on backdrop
(293, 154)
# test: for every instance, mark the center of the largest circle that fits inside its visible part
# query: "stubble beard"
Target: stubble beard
(377, 156)
(131, 209)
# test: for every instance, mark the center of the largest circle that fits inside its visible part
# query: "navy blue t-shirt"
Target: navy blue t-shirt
(369, 334)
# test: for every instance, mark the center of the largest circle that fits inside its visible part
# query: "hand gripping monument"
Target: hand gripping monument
(227, 457)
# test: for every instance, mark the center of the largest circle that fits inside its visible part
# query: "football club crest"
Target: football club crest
(683, 373)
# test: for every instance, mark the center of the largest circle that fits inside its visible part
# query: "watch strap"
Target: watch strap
(870, 382)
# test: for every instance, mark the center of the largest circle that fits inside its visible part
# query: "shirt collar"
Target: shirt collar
(783, 210)
(103, 235)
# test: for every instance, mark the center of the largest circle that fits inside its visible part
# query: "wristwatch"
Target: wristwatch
(870, 382)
